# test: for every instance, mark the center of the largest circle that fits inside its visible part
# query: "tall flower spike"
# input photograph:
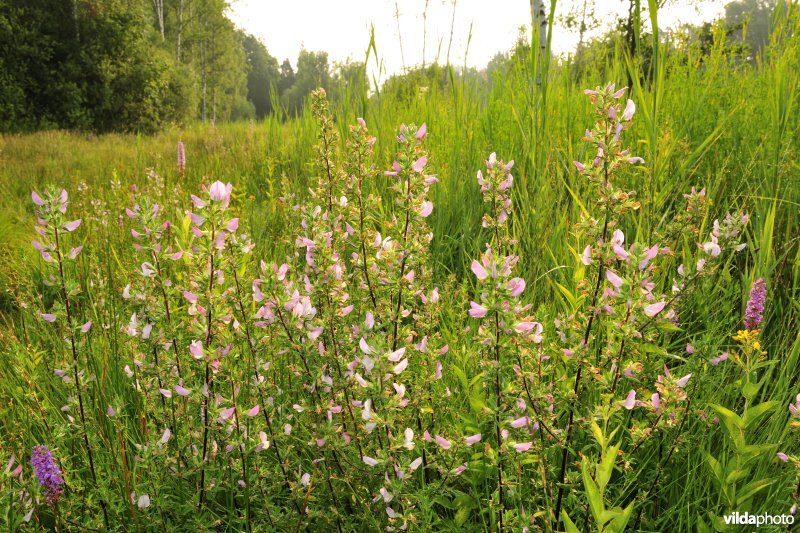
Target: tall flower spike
(47, 473)
(181, 158)
(754, 313)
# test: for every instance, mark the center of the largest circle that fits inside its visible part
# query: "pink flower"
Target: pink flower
(143, 502)
(421, 132)
(614, 279)
(718, 359)
(586, 256)
(473, 439)
(427, 209)
(48, 317)
(534, 329)
(630, 400)
(650, 254)
(419, 164)
(782, 456)
(655, 399)
(181, 157)
(579, 166)
(396, 168)
(254, 411)
(681, 383)
(398, 368)
(478, 270)
(364, 346)
(520, 422)
(653, 309)
(477, 310)
(196, 349)
(516, 286)
(86, 327)
(220, 192)
(73, 253)
(630, 109)
(369, 461)
(443, 442)
(181, 390)
(36, 198)
(523, 447)
(72, 226)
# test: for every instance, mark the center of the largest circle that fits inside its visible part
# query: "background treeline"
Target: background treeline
(140, 65)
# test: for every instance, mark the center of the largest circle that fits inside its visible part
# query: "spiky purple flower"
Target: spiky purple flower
(181, 158)
(754, 313)
(47, 473)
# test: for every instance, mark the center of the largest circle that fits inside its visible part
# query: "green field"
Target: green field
(406, 410)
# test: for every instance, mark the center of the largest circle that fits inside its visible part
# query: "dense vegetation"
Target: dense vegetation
(328, 321)
(142, 65)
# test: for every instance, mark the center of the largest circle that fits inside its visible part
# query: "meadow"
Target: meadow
(367, 317)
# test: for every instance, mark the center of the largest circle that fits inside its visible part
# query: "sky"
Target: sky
(481, 28)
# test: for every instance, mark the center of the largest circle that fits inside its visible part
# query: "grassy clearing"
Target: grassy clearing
(702, 121)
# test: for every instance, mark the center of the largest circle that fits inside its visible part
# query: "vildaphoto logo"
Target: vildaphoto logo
(746, 519)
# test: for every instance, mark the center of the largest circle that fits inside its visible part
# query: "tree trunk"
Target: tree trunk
(75, 20)
(203, 70)
(539, 19)
(179, 31)
(159, 6)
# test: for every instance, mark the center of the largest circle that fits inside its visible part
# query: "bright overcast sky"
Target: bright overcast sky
(341, 27)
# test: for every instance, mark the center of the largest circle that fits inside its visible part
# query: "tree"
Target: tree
(748, 21)
(263, 75)
(312, 72)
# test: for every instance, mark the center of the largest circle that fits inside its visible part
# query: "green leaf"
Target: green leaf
(716, 469)
(461, 516)
(733, 423)
(598, 435)
(592, 491)
(751, 489)
(752, 415)
(750, 389)
(568, 523)
(608, 515)
(619, 523)
(606, 467)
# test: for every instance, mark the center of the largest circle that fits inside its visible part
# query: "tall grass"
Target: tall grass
(704, 120)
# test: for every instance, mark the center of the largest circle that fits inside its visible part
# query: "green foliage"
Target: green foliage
(704, 117)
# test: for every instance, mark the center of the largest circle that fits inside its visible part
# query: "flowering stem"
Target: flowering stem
(242, 458)
(207, 373)
(68, 309)
(258, 382)
(167, 312)
(360, 196)
(576, 385)
(664, 463)
(402, 265)
(498, 394)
